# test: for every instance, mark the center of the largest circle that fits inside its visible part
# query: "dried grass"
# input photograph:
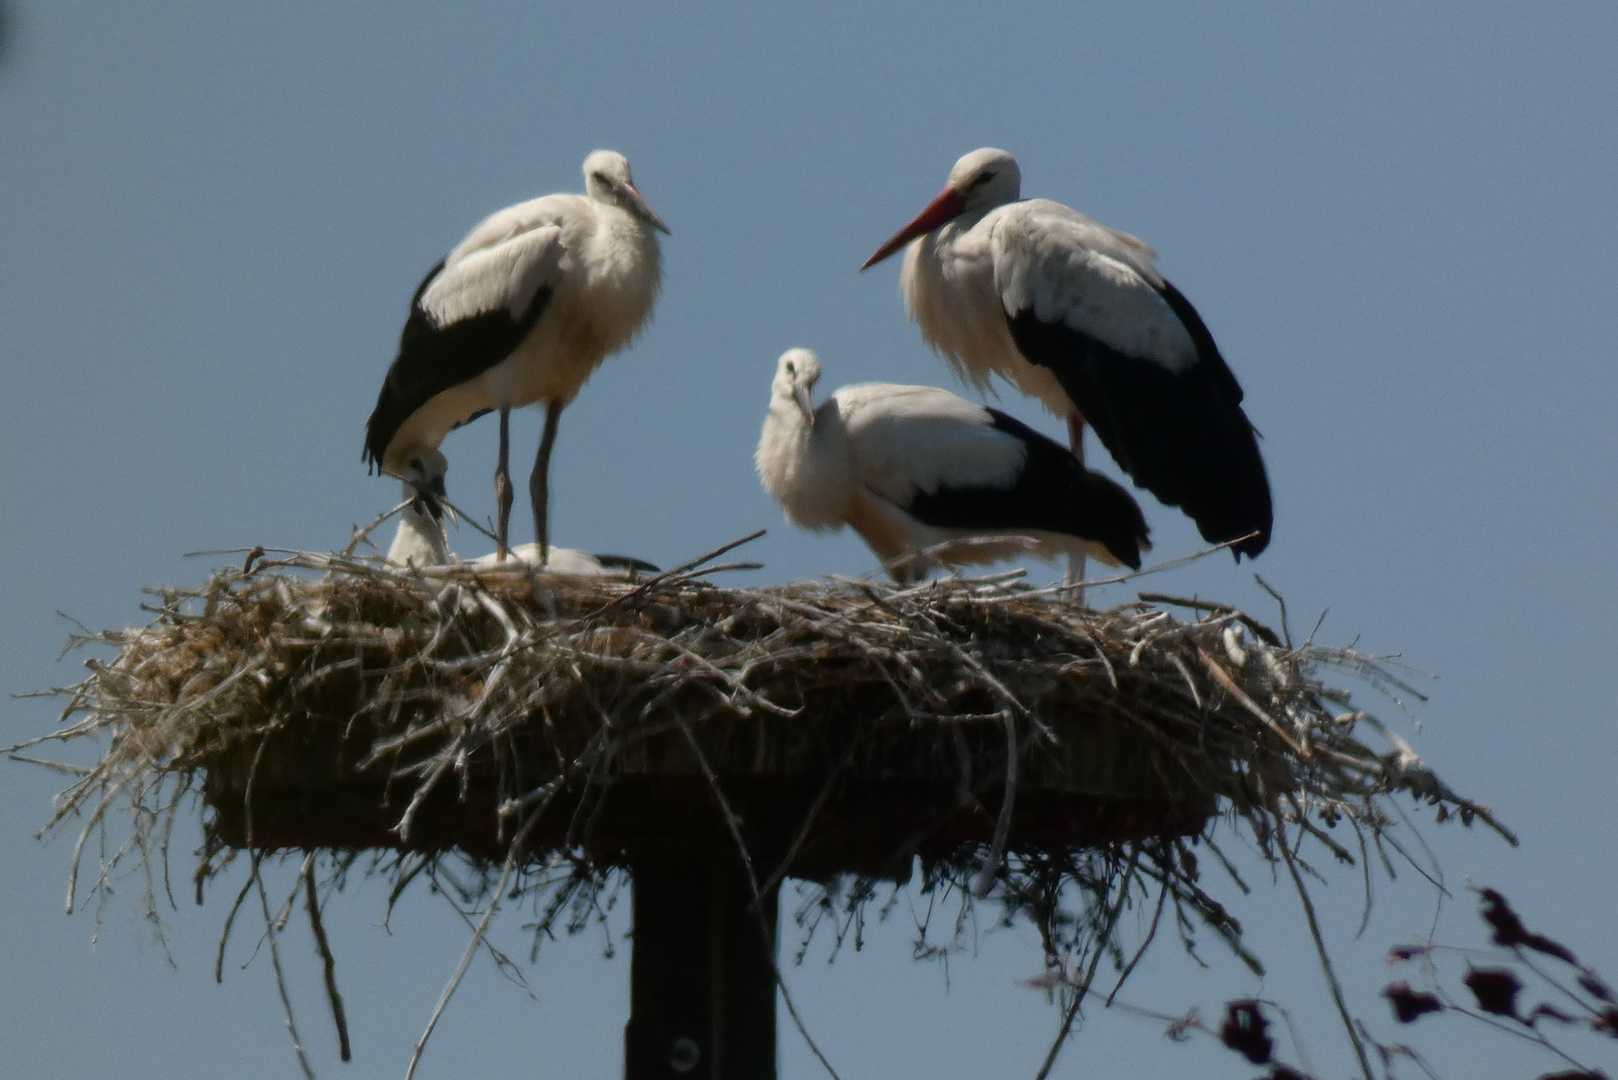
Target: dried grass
(517, 735)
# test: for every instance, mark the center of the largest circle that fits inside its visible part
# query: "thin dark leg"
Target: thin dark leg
(1075, 441)
(539, 481)
(502, 487)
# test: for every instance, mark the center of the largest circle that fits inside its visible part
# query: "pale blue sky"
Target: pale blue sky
(1400, 223)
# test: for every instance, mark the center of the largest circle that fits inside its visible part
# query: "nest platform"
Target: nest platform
(715, 741)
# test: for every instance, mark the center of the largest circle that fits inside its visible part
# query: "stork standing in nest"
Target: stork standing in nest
(912, 468)
(1075, 314)
(521, 312)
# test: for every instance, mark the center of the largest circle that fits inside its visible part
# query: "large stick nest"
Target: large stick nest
(1061, 758)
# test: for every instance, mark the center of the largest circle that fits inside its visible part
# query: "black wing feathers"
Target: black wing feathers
(1207, 351)
(1053, 493)
(415, 298)
(1183, 437)
(435, 358)
(626, 562)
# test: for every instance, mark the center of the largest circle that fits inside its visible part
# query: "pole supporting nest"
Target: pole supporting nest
(702, 972)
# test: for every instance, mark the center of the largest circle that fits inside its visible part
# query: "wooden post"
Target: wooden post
(701, 974)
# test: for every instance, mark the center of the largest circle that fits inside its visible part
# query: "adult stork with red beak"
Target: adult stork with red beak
(1075, 314)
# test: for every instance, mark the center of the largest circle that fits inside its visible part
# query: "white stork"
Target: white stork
(914, 467)
(569, 562)
(421, 540)
(522, 311)
(1075, 314)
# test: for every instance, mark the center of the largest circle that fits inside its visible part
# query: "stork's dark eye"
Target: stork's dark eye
(983, 178)
(416, 463)
(790, 370)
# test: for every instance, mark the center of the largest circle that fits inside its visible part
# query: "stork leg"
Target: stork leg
(539, 481)
(1075, 440)
(502, 487)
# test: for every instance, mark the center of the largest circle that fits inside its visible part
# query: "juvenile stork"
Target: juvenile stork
(421, 540)
(570, 562)
(522, 311)
(914, 467)
(1075, 314)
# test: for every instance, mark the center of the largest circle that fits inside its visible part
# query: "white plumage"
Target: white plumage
(521, 311)
(569, 562)
(913, 467)
(1076, 314)
(421, 541)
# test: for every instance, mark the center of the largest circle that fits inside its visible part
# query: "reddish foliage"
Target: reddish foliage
(1594, 986)
(1510, 932)
(1495, 988)
(1243, 1031)
(1548, 1012)
(1408, 1004)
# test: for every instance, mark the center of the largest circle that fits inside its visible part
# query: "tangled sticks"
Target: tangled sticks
(1021, 746)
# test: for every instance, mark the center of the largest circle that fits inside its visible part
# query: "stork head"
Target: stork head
(981, 180)
(607, 180)
(795, 376)
(424, 483)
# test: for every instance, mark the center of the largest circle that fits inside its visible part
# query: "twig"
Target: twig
(362, 535)
(1320, 950)
(657, 579)
(230, 918)
(1081, 990)
(328, 962)
(514, 849)
(1248, 703)
(1002, 826)
(280, 979)
(1154, 568)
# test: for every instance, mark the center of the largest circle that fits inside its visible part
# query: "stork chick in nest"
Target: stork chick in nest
(422, 540)
(913, 468)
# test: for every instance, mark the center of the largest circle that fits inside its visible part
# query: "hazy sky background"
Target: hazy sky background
(1401, 224)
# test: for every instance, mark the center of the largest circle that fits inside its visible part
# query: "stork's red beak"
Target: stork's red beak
(947, 207)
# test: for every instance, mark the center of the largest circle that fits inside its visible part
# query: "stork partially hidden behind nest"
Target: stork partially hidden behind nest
(911, 468)
(522, 311)
(422, 542)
